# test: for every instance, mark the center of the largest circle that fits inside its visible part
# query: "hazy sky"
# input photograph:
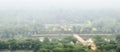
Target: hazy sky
(43, 4)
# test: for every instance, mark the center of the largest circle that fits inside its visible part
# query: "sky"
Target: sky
(48, 4)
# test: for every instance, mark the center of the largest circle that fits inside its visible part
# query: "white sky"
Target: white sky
(16, 4)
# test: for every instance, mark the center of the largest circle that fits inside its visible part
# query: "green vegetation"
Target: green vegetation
(20, 33)
(48, 26)
(25, 31)
(64, 45)
(16, 51)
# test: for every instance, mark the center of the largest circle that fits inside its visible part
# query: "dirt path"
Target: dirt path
(80, 39)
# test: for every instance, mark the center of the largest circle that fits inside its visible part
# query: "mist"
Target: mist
(59, 26)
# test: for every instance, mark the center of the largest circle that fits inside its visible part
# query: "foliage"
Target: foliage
(63, 45)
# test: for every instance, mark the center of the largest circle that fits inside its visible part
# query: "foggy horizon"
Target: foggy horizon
(59, 26)
(58, 4)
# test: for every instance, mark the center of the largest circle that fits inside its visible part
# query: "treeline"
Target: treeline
(45, 46)
(68, 44)
(107, 44)
(25, 30)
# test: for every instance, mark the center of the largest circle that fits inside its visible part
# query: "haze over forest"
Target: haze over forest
(58, 16)
(81, 16)
(59, 26)
(59, 11)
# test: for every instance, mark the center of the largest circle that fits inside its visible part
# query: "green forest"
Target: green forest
(64, 45)
(59, 26)
(24, 31)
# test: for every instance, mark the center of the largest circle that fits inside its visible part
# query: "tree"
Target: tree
(3, 45)
(69, 39)
(118, 38)
(58, 49)
(118, 41)
(46, 40)
(12, 44)
(43, 50)
(118, 48)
